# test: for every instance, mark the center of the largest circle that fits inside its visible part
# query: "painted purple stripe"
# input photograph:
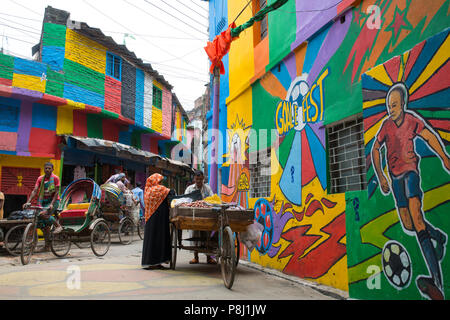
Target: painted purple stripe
(310, 19)
(319, 130)
(332, 41)
(291, 65)
(21, 93)
(145, 142)
(23, 132)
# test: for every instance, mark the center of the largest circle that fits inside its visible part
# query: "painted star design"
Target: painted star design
(398, 23)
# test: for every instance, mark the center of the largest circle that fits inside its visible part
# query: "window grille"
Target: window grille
(346, 156)
(260, 175)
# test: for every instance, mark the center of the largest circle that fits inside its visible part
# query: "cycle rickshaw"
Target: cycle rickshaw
(80, 218)
(120, 212)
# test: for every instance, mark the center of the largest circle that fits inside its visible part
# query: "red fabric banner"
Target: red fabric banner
(218, 48)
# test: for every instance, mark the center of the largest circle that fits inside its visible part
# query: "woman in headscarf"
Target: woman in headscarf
(157, 248)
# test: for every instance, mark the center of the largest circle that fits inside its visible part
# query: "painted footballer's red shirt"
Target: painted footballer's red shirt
(399, 141)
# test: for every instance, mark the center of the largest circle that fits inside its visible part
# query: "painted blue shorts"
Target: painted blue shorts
(405, 186)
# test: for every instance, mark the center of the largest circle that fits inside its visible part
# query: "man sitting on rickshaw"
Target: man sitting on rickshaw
(46, 188)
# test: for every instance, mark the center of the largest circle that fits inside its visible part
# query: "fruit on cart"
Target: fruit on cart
(214, 199)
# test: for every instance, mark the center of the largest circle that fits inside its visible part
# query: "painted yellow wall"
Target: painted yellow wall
(241, 108)
(241, 62)
(64, 123)
(85, 51)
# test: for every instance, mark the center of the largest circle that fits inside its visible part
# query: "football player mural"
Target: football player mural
(407, 131)
(397, 134)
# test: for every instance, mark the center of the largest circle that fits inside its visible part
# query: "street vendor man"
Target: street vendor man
(206, 191)
(47, 190)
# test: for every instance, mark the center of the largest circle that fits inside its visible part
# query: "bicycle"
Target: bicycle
(30, 237)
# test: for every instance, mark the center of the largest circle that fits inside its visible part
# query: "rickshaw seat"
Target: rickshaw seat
(73, 213)
(73, 206)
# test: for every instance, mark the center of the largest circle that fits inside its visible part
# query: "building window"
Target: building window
(260, 174)
(264, 28)
(157, 97)
(346, 156)
(113, 66)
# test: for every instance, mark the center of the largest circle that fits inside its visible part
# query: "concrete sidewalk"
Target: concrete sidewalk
(119, 275)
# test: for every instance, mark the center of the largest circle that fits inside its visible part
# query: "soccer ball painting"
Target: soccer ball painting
(396, 264)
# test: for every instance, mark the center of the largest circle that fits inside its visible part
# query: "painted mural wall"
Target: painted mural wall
(314, 72)
(403, 233)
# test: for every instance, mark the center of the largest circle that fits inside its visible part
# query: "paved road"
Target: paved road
(118, 275)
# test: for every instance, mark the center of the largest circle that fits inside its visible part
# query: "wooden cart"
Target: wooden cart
(224, 221)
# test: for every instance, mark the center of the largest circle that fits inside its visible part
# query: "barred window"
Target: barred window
(157, 97)
(260, 174)
(346, 156)
(262, 5)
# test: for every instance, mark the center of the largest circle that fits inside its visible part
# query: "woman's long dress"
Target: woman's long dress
(157, 248)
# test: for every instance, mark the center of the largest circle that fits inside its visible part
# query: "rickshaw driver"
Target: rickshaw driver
(46, 188)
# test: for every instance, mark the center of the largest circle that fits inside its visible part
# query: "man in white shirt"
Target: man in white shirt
(199, 184)
(206, 191)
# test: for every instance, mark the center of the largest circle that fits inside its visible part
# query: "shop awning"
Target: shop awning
(123, 151)
(112, 148)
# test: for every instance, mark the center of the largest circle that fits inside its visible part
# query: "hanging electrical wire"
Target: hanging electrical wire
(157, 18)
(203, 25)
(180, 2)
(190, 26)
(25, 7)
(199, 6)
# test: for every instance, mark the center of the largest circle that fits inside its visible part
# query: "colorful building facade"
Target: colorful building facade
(82, 85)
(306, 94)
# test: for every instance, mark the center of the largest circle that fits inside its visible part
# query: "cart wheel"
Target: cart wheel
(174, 241)
(228, 258)
(237, 246)
(126, 231)
(141, 227)
(60, 244)
(100, 239)
(13, 239)
(29, 242)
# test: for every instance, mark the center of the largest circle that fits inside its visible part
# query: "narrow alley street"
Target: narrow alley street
(118, 275)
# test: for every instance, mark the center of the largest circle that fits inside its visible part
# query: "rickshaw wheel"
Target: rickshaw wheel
(141, 227)
(60, 244)
(29, 242)
(173, 240)
(13, 239)
(100, 239)
(228, 257)
(126, 231)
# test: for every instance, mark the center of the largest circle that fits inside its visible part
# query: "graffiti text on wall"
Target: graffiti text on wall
(302, 105)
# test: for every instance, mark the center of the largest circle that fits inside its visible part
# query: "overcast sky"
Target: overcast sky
(169, 34)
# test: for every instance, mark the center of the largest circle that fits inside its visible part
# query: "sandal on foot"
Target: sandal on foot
(211, 261)
(193, 261)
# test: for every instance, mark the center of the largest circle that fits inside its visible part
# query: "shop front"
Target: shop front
(99, 159)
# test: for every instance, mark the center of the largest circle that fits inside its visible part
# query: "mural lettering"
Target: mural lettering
(303, 105)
